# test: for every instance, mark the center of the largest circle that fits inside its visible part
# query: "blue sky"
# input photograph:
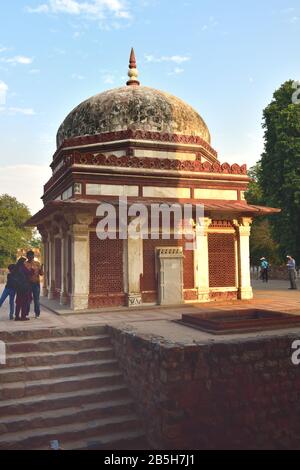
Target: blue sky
(225, 58)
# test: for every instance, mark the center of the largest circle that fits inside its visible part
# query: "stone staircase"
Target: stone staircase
(65, 385)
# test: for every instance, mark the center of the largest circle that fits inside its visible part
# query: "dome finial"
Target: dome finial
(132, 72)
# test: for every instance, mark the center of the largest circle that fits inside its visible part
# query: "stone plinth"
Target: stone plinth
(239, 392)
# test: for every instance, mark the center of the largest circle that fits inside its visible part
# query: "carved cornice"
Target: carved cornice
(136, 135)
(79, 218)
(203, 225)
(170, 252)
(221, 224)
(101, 160)
(243, 226)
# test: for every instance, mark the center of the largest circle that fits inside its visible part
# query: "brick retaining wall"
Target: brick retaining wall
(243, 393)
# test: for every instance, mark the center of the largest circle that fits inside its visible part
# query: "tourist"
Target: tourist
(37, 270)
(9, 291)
(264, 268)
(291, 265)
(21, 277)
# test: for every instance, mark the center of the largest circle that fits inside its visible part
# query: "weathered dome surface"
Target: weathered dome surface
(132, 108)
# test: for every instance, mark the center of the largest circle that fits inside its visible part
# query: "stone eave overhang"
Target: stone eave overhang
(134, 144)
(90, 205)
(136, 136)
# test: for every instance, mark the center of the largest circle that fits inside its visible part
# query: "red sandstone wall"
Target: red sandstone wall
(221, 252)
(106, 272)
(232, 395)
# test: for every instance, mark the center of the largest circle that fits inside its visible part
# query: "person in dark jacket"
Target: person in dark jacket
(35, 281)
(291, 265)
(9, 291)
(21, 277)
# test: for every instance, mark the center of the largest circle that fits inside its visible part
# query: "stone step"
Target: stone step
(58, 344)
(59, 357)
(25, 374)
(56, 332)
(127, 440)
(53, 418)
(66, 384)
(33, 439)
(63, 400)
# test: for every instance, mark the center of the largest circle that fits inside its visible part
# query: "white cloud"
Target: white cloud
(3, 49)
(13, 111)
(3, 92)
(94, 9)
(25, 182)
(34, 71)
(19, 59)
(177, 59)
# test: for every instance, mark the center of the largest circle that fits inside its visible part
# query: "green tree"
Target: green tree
(262, 243)
(279, 176)
(254, 194)
(261, 240)
(13, 234)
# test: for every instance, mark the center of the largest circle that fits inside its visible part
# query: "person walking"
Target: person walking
(264, 267)
(21, 276)
(37, 270)
(291, 265)
(9, 291)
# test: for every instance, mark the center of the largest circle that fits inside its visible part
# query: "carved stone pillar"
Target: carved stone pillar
(134, 270)
(201, 259)
(243, 228)
(51, 258)
(64, 248)
(46, 264)
(80, 262)
(45, 259)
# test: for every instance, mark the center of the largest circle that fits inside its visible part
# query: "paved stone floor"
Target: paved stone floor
(273, 296)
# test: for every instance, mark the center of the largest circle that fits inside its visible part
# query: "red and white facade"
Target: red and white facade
(146, 164)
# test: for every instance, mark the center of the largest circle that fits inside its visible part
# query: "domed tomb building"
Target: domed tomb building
(152, 148)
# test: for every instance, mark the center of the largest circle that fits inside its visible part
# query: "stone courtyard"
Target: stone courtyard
(274, 296)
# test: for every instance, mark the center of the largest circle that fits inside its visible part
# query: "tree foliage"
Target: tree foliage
(262, 243)
(13, 234)
(254, 194)
(279, 175)
(261, 240)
